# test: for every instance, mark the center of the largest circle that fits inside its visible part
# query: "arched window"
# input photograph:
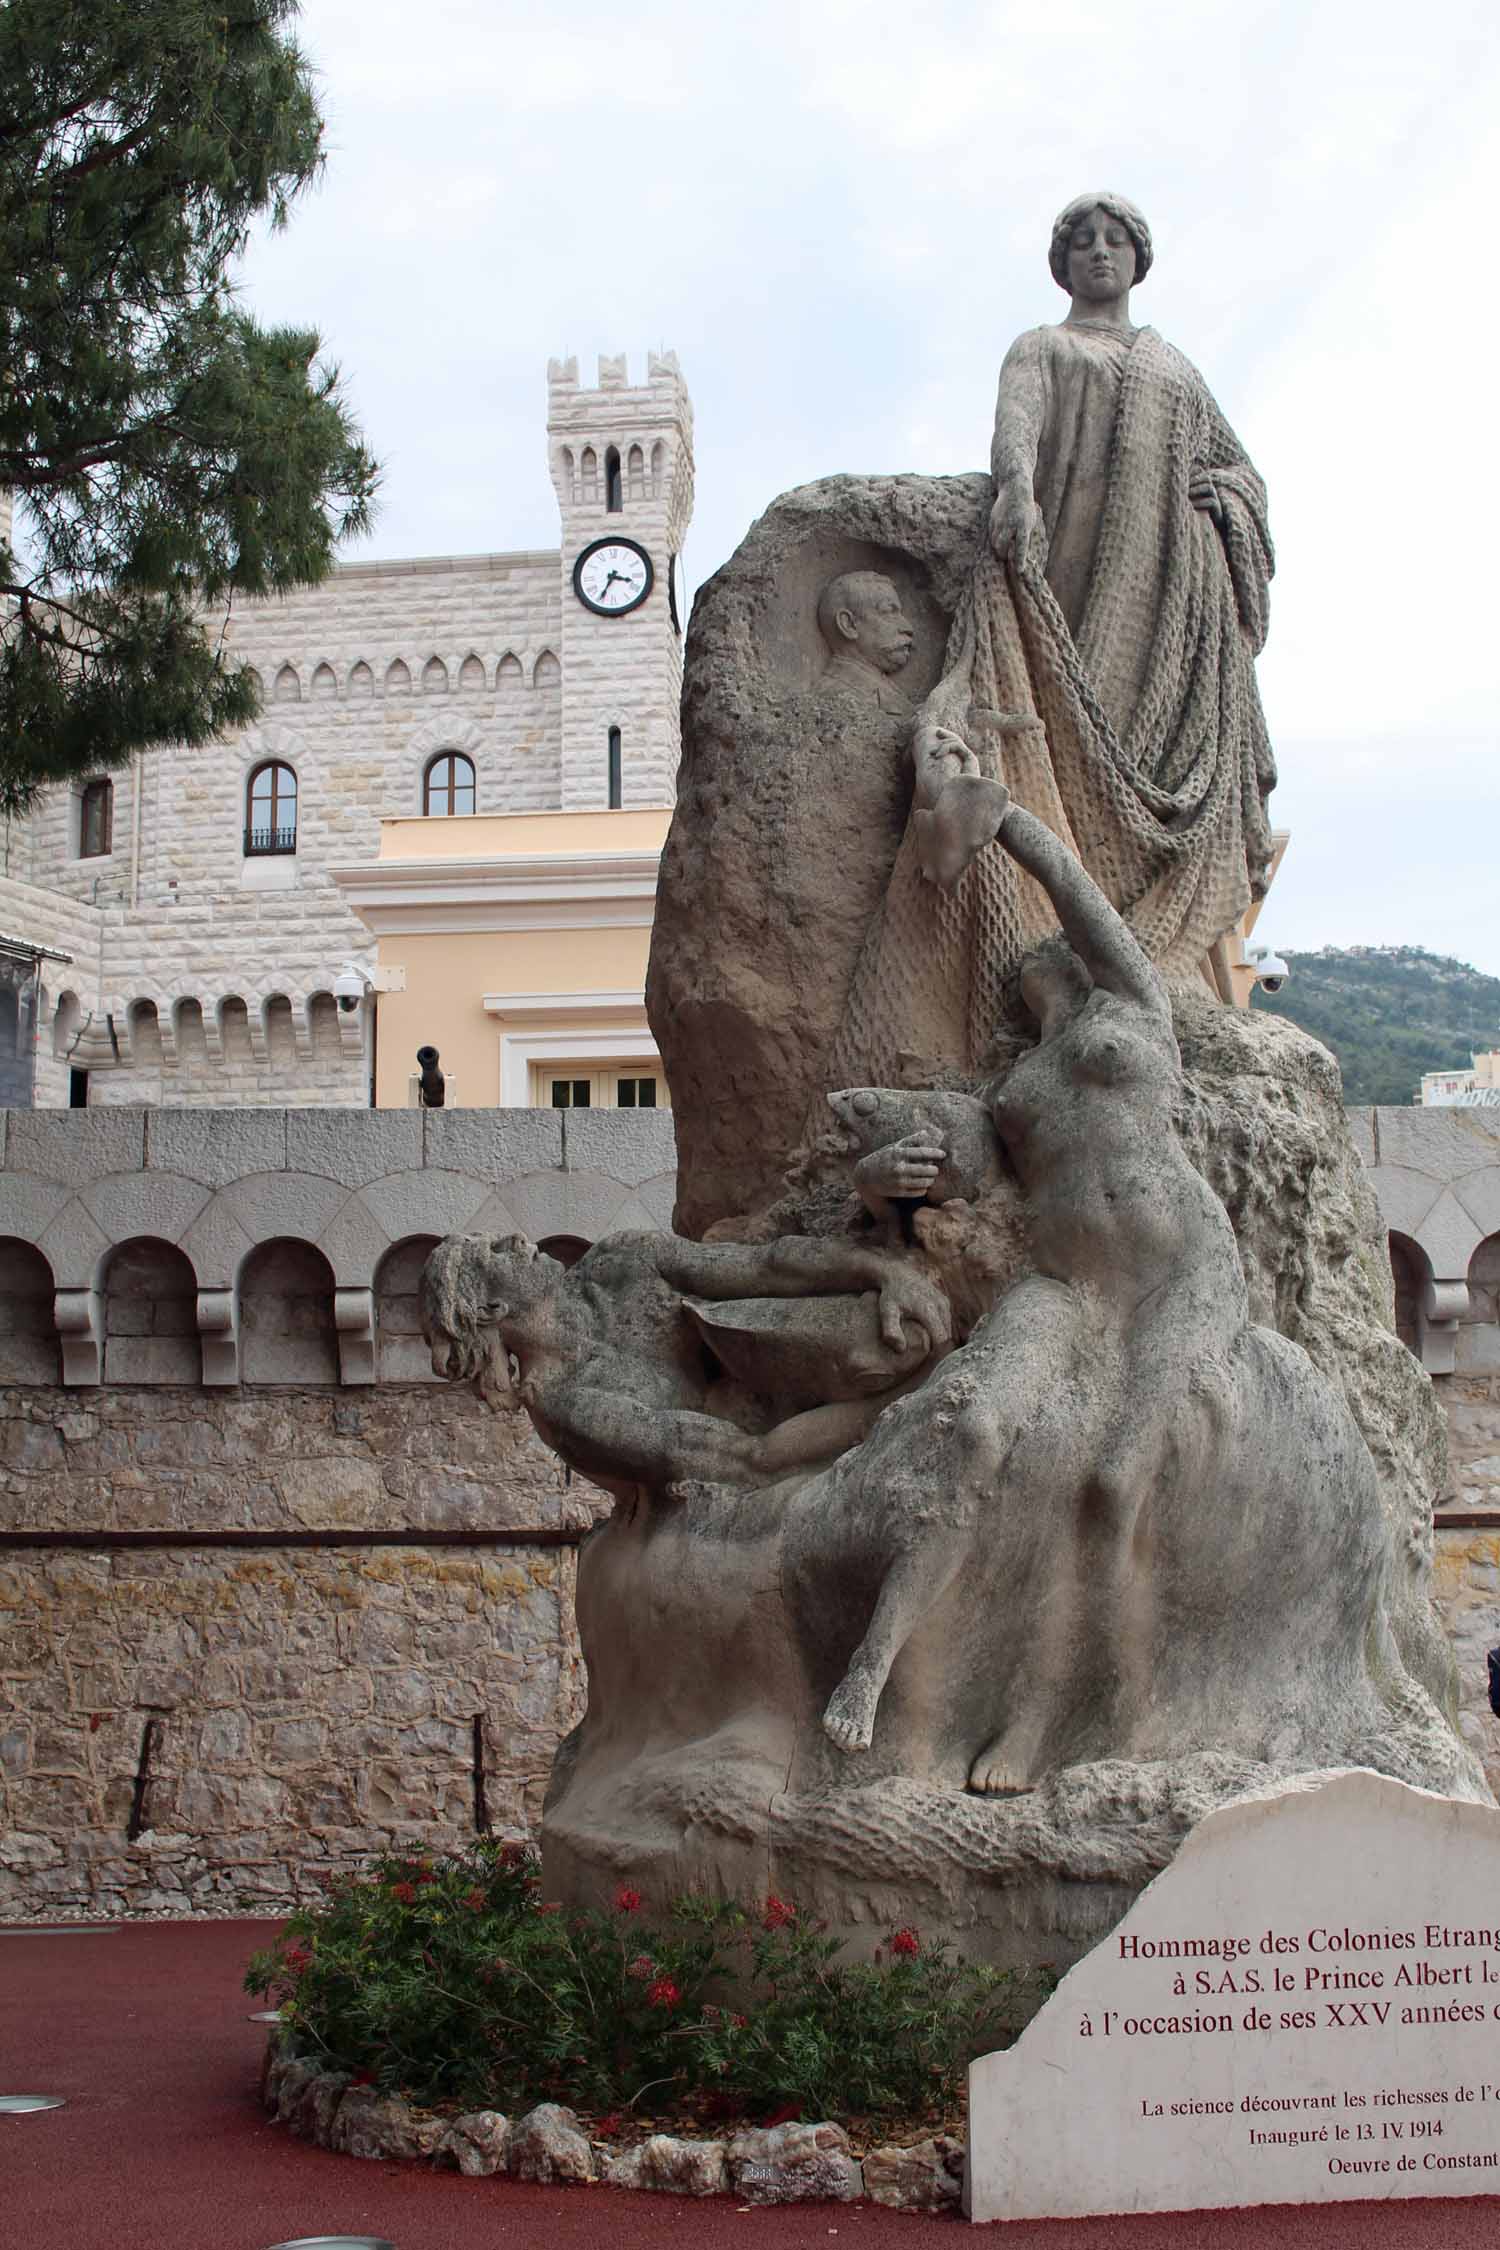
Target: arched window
(448, 783)
(271, 809)
(614, 497)
(616, 770)
(96, 819)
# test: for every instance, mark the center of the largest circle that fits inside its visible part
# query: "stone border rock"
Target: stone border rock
(794, 2163)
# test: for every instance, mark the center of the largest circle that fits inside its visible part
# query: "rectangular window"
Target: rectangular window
(616, 770)
(613, 1086)
(96, 820)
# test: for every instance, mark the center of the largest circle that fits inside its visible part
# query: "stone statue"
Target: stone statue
(867, 635)
(1026, 1464)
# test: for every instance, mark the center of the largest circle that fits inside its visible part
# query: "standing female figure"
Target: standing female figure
(1101, 665)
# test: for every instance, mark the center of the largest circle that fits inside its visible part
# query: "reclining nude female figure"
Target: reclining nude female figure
(1117, 1450)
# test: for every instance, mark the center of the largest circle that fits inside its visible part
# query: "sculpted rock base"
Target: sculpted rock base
(716, 1624)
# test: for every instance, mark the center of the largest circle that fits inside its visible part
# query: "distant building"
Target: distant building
(189, 931)
(1478, 1087)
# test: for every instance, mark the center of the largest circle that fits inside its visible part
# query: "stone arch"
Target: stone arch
(234, 1031)
(434, 676)
(29, 1347)
(658, 467)
(510, 675)
(66, 1024)
(287, 1330)
(146, 1045)
(1411, 1271)
(401, 1353)
(614, 483)
(361, 679)
(323, 1027)
(471, 675)
(279, 1032)
(150, 1307)
(324, 686)
(189, 1032)
(567, 1249)
(635, 472)
(397, 679)
(546, 672)
(288, 688)
(588, 474)
(256, 682)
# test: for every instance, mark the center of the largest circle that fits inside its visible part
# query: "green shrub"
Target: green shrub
(454, 1981)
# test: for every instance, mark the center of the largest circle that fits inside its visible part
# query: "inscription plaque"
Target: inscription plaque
(1304, 2007)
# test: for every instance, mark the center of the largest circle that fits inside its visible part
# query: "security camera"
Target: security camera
(349, 987)
(1271, 972)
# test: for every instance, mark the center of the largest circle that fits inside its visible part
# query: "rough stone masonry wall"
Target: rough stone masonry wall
(365, 1639)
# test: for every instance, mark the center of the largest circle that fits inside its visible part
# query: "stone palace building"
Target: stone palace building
(182, 933)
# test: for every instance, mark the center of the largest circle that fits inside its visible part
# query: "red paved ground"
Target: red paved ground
(163, 2145)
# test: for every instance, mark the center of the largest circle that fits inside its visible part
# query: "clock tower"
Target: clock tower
(621, 458)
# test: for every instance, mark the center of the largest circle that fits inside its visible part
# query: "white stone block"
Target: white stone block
(1302, 2008)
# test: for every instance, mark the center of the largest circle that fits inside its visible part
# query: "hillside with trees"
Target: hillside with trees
(1389, 1013)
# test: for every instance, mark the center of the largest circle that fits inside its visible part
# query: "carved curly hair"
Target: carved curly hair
(459, 1295)
(1119, 207)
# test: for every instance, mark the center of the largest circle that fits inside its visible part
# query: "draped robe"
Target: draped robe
(1108, 681)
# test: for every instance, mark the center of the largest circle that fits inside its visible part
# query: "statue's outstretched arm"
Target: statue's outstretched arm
(805, 1266)
(610, 1433)
(1092, 927)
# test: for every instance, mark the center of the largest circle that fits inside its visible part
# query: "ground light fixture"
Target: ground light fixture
(336, 2242)
(264, 2015)
(23, 2105)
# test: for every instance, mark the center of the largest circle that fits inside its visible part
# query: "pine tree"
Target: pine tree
(168, 456)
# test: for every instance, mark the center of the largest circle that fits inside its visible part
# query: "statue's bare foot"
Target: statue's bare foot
(999, 1772)
(849, 1719)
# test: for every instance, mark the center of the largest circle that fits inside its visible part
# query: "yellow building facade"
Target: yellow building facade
(516, 945)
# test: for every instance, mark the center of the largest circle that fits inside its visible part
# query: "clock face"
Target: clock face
(612, 576)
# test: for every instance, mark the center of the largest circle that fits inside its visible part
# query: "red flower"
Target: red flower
(298, 1958)
(512, 1855)
(476, 1899)
(405, 1892)
(627, 1900)
(779, 1911)
(663, 1994)
(905, 1941)
(742, 2023)
(643, 1968)
(549, 1906)
(608, 2126)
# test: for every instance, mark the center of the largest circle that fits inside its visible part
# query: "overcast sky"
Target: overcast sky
(837, 213)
